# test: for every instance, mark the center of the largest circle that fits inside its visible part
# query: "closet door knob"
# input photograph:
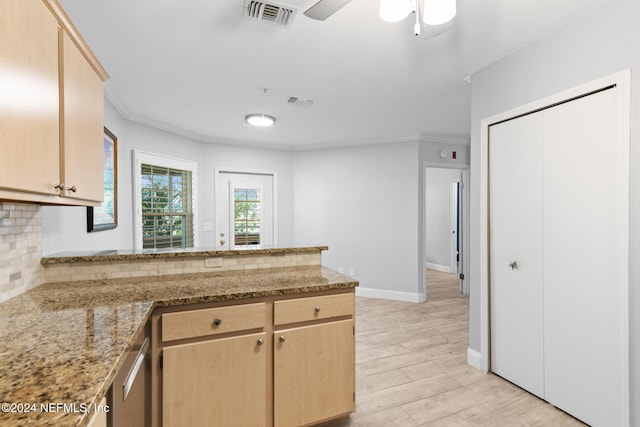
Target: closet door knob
(282, 338)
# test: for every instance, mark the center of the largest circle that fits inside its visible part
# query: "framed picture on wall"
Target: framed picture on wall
(105, 216)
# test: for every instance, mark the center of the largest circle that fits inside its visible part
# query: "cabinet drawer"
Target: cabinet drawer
(211, 321)
(313, 308)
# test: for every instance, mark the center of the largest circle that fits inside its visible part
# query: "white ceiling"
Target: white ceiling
(197, 67)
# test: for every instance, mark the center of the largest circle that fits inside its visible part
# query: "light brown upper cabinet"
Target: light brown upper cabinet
(51, 108)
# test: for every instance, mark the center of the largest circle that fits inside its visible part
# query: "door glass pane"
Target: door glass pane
(246, 216)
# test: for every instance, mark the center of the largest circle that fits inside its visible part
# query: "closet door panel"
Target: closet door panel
(581, 364)
(515, 182)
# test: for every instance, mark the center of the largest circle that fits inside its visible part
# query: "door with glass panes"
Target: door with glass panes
(244, 210)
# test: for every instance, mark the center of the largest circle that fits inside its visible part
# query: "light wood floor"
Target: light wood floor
(411, 368)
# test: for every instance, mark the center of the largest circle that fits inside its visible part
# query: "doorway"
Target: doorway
(245, 213)
(445, 195)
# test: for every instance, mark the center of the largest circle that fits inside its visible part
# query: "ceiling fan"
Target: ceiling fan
(436, 14)
(325, 8)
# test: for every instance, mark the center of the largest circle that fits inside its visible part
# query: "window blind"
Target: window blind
(167, 207)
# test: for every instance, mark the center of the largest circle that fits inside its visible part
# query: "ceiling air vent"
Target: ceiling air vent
(300, 102)
(276, 14)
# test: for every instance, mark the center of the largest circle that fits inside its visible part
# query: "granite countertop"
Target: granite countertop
(62, 343)
(142, 254)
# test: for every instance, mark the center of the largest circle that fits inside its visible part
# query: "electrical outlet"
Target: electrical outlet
(215, 262)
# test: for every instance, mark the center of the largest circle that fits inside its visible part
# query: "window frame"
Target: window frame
(142, 157)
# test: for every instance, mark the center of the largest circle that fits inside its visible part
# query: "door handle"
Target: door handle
(133, 373)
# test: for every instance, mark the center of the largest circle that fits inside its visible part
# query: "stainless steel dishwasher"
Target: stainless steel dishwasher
(128, 397)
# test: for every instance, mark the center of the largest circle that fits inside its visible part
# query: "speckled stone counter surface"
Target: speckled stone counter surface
(142, 254)
(62, 343)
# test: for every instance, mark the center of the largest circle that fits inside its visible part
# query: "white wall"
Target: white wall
(64, 228)
(438, 216)
(363, 203)
(600, 44)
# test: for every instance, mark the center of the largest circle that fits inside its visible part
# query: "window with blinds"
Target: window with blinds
(167, 207)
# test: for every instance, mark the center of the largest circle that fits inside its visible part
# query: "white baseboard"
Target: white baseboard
(392, 295)
(474, 358)
(438, 267)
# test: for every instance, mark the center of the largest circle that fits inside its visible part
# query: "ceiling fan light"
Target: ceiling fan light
(438, 12)
(262, 120)
(395, 10)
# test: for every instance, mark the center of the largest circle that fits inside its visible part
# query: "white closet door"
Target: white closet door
(581, 298)
(515, 182)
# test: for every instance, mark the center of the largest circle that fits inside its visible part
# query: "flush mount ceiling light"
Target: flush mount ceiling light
(261, 120)
(434, 12)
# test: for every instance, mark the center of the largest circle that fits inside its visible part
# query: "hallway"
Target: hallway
(411, 368)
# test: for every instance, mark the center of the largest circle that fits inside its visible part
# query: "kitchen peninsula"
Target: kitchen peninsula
(63, 343)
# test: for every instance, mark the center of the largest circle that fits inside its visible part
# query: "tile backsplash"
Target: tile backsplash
(69, 272)
(20, 248)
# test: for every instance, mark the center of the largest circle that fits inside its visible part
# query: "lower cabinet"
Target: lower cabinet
(219, 382)
(277, 361)
(313, 373)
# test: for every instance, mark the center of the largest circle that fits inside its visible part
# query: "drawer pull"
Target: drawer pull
(317, 309)
(217, 321)
(282, 338)
(260, 341)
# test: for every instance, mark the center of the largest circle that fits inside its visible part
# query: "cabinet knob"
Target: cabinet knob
(260, 341)
(62, 186)
(217, 321)
(282, 338)
(317, 309)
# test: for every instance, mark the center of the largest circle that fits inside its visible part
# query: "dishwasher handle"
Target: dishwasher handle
(133, 373)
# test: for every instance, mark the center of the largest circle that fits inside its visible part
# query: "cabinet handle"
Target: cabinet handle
(63, 187)
(260, 341)
(133, 373)
(217, 321)
(282, 338)
(317, 309)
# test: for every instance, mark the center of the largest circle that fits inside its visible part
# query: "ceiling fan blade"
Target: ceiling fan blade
(325, 8)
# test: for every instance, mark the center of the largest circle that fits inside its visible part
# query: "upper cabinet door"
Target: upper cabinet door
(83, 131)
(29, 98)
